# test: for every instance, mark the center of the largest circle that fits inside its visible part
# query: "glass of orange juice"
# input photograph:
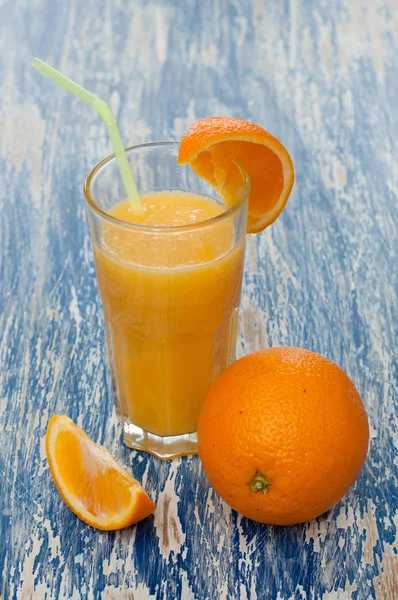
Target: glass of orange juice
(170, 282)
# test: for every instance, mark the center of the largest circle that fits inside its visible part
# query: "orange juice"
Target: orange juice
(170, 299)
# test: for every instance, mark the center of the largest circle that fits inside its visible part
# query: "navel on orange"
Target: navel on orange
(282, 435)
(210, 146)
(90, 481)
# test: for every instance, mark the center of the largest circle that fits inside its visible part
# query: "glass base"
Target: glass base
(164, 448)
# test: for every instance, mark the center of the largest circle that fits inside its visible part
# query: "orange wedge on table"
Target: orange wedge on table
(90, 481)
(211, 145)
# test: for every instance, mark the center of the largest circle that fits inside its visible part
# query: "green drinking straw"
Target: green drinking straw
(106, 114)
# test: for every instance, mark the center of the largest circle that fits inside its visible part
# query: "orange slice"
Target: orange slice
(98, 490)
(210, 146)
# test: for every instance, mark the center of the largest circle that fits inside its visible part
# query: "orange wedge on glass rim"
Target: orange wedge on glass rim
(211, 145)
(94, 486)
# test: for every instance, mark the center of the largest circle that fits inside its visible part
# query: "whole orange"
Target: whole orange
(282, 435)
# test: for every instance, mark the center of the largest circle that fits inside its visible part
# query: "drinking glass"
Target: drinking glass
(170, 296)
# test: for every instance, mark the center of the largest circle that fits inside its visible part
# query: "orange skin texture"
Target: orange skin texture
(210, 145)
(296, 418)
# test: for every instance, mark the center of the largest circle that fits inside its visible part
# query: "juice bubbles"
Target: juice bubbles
(170, 298)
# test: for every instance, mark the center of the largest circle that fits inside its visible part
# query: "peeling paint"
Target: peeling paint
(323, 78)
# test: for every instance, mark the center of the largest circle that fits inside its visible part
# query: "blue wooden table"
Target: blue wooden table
(321, 76)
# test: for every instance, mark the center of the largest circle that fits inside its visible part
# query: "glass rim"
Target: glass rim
(159, 228)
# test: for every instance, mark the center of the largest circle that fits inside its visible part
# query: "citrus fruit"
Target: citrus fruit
(212, 144)
(93, 485)
(282, 435)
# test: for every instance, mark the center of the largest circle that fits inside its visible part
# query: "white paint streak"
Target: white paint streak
(167, 523)
(116, 564)
(341, 594)
(334, 174)
(307, 48)
(74, 310)
(294, 12)
(209, 56)
(368, 525)
(22, 133)
(163, 17)
(186, 591)
(140, 592)
(316, 531)
(325, 49)
(32, 550)
(53, 543)
(345, 518)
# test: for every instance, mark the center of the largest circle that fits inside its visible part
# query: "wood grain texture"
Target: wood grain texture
(321, 76)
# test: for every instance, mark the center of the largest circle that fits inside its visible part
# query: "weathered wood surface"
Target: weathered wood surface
(323, 77)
